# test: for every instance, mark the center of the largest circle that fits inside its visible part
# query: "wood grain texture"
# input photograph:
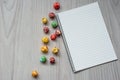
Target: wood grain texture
(20, 41)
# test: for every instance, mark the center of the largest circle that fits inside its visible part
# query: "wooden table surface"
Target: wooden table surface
(20, 41)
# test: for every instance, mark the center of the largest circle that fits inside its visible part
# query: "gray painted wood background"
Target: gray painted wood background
(20, 41)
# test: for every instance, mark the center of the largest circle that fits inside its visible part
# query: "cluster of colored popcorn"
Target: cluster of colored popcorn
(45, 39)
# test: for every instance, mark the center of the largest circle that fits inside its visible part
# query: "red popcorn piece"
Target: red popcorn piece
(58, 32)
(52, 15)
(56, 5)
(52, 60)
(53, 36)
(46, 29)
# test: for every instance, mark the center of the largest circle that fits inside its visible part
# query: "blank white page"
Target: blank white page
(86, 38)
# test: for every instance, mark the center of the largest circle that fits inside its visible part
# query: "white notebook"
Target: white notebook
(85, 36)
